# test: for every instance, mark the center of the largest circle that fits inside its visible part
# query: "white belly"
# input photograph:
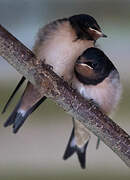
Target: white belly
(105, 94)
(62, 56)
(60, 50)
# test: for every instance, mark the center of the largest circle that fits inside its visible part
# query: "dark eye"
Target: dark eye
(93, 27)
(92, 65)
(96, 27)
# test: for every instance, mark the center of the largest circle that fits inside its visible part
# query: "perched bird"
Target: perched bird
(59, 43)
(95, 78)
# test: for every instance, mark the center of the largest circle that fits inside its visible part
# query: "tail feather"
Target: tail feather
(12, 117)
(19, 120)
(72, 148)
(81, 153)
(18, 117)
(13, 94)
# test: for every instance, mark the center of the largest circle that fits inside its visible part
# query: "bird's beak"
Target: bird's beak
(83, 65)
(96, 34)
(103, 35)
(80, 63)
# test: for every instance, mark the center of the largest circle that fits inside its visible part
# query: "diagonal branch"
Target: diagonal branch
(50, 85)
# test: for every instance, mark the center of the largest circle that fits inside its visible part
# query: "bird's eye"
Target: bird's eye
(92, 65)
(96, 27)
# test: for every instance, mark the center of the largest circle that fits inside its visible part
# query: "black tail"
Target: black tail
(12, 117)
(70, 149)
(73, 148)
(13, 94)
(81, 153)
(17, 118)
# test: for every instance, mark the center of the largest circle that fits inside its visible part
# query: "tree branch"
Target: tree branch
(50, 85)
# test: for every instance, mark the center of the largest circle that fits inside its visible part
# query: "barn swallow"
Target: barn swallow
(97, 79)
(59, 43)
(80, 31)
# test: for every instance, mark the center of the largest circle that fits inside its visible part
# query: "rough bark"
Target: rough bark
(50, 85)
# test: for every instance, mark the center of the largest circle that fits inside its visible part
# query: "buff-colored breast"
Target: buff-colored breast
(106, 94)
(60, 49)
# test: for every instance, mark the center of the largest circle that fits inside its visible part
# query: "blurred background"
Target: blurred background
(36, 151)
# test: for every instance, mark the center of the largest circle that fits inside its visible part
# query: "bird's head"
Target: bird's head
(86, 27)
(93, 66)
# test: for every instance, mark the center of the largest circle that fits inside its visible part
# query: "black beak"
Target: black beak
(104, 35)
(78, 61)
